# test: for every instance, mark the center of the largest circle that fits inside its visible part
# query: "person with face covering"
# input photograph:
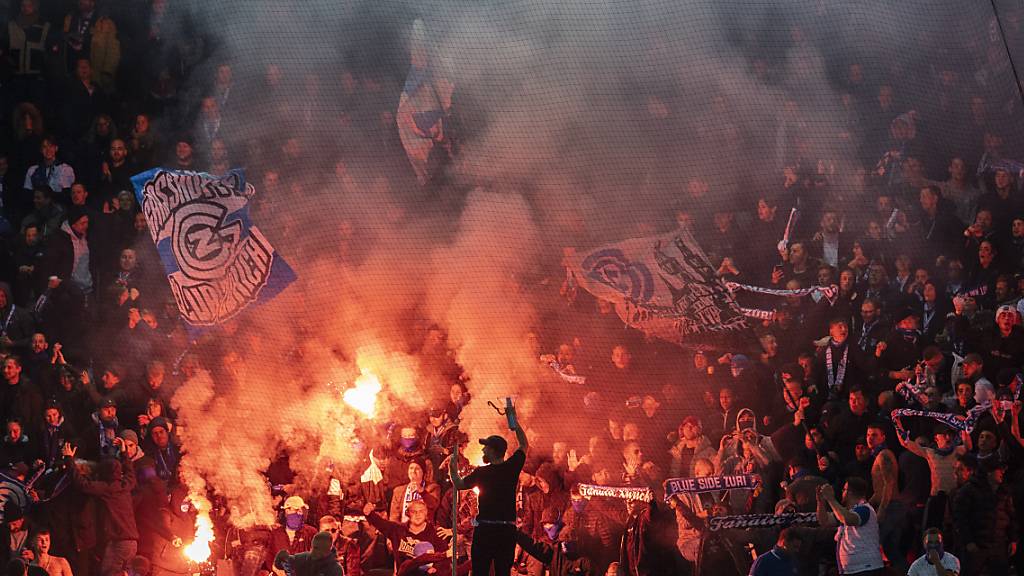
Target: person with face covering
(557, 550)
(293, 537)
(319, 561)
(409, 448)
(745, 445)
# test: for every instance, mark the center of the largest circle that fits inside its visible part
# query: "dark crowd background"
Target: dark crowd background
(900, 151)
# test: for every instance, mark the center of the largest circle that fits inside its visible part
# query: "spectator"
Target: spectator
(935, 561)
(113, 489)
(858, 546)
(54, 565)
(421, 487)
(780, 559)
(51, 172)
(408, 539)
(295, 536)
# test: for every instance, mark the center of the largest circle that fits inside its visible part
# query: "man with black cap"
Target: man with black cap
(99, 440)
(494, 539)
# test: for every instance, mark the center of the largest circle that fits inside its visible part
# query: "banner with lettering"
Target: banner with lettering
(663, 286)
(954, 421)
(747, 521)
(675, 486)
(642, 494)
(217, 262)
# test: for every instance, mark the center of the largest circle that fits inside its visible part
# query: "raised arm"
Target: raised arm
(909, 444)
(524, 444)
(844, 515)
(1015, 423)
(453, 470)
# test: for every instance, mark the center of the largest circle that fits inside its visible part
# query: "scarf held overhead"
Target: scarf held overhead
(675, 486)
(642, 494)
(817, 292)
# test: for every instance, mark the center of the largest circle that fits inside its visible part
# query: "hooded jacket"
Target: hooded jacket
(732, 447)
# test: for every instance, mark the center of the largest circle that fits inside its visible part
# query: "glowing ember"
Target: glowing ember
(199, 550)
(363, 396)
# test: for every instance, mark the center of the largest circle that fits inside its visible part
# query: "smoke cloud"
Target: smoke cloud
(580, 123)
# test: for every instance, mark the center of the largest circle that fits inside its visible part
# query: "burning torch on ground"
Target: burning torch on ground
(198, 551)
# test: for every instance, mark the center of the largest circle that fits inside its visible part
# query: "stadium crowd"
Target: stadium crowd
(924, 239)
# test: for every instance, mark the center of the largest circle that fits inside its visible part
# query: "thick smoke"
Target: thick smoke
(581, 123)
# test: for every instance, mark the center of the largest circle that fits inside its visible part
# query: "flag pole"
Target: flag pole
(455, 514)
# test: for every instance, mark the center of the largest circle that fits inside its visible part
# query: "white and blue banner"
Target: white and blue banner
(423, 106)
(662, 285)
(217, 262)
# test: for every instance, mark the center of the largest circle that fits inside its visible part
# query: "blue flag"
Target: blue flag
(426, 98)
(217, 262)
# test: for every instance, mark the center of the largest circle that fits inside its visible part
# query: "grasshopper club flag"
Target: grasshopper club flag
(217, 262)
(662, 285)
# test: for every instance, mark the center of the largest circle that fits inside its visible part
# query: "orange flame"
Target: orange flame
(199, 550)
(474, 452)
(363, 396)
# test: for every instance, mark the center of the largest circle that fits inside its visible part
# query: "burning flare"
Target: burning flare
(363, 396)
(199, 550)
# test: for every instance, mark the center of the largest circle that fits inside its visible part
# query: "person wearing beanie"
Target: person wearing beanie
(130, 445)
(161, 448)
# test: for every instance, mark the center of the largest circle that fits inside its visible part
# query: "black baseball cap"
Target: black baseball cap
(496, 442)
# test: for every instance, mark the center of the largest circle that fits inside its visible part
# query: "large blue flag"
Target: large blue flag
(216, 261)
(423, 107)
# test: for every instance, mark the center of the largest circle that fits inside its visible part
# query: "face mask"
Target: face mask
(407, 442)
(579, 506)
(553, 531)
(293, 521)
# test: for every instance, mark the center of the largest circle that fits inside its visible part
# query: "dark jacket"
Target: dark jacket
(23, 450)
(403, 542)
(22, 401)
(59, 260)
(559, 560)
(16, 322)
(115, 497)
(279, 541)
(974, 511)
(303, 564)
